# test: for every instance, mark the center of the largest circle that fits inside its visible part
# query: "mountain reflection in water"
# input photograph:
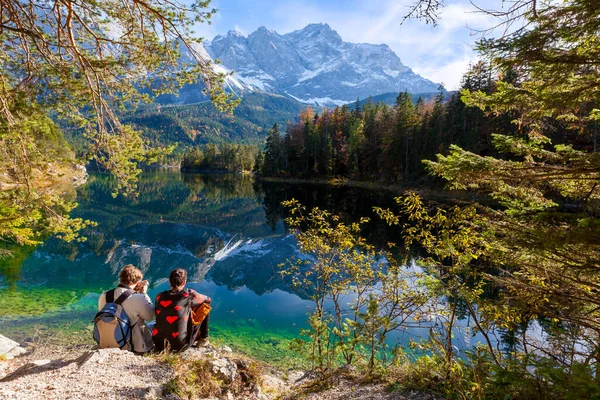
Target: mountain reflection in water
(225, 230)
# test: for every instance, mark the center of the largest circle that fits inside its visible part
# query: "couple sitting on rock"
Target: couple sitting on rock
(181, 315)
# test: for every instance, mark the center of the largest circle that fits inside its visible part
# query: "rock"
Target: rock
(9, 348)
(201, 352)
(272, 384)
(257, 393)
(296, 377)
(80, 176)
(96, 357)
(224, 368)
(40, 363)
(3, 369)
(226, 349)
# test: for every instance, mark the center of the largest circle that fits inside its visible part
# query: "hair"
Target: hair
(130, 275)
(178, 277)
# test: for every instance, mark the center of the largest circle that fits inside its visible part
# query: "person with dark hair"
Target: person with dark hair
(131, 295)
(175, 329)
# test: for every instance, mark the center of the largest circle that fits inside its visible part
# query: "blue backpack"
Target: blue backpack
(111, 325)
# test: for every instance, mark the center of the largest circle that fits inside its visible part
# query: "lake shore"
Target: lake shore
(72, 371)
(429, 193)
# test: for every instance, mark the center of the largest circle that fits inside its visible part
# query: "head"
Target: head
(178, 278)
(130, 275)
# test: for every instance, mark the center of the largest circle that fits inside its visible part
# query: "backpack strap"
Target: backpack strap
(122, 297)
(110, 296)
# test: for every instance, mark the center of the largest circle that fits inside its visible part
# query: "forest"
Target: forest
(226, 157)
(377, 142)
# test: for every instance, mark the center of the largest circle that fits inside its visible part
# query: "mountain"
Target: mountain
(313, 65)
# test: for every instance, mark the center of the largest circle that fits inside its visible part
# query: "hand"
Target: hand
(141, 287)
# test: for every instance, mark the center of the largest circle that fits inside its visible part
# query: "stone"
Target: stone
(224, 369)
(3, 369)
(200, 352)
(9, 348)
(241, 364)
(226, 349)
(40, 363)
(94, 357)
(296, 377)
(272, 384)
(257, 393)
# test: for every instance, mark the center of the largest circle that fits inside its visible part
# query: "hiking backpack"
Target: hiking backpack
(111, 324)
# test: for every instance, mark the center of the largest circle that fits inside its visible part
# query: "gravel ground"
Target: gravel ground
(78, 373)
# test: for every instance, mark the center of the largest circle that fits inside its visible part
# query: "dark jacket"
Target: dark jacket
(173, 327)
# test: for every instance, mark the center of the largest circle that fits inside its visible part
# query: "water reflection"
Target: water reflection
(225, 230)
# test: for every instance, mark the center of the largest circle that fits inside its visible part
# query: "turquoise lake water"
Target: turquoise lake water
(226, 231)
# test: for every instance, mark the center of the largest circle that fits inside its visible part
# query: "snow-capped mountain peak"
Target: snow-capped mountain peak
(314, 65)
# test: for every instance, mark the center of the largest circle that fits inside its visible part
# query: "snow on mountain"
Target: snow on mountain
(313, 65)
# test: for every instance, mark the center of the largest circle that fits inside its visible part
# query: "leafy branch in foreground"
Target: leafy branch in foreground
(360, 295)
(82, 63)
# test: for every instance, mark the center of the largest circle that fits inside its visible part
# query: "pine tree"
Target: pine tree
(273, 152)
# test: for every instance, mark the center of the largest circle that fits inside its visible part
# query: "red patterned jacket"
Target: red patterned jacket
(173, 327)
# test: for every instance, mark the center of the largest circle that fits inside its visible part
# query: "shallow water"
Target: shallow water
(225, 231)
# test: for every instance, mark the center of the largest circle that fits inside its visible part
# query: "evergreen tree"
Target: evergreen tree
(273, 152)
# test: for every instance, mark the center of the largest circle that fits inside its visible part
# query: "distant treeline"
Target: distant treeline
(223, 157)
(379, 142)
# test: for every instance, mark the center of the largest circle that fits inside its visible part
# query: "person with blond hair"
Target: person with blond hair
(130, 297)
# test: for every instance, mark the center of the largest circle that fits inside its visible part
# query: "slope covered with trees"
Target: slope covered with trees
(383, 143)
(202, 123)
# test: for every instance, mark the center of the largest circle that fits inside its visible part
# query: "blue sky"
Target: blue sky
(440, 53)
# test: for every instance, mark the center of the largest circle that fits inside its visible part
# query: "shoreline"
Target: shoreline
(439, 194)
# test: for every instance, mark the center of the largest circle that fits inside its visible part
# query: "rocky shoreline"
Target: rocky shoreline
(49, 371)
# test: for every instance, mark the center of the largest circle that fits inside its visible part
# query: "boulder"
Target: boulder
(201, 352)
(272, 384)
(224, 369)
(226, 349)
(9, 348)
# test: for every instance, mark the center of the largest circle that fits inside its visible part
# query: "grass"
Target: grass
(194, 378)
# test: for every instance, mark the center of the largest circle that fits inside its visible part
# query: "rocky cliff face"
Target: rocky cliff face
(313, 65)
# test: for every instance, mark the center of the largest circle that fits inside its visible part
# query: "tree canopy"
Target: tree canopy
(79, 64)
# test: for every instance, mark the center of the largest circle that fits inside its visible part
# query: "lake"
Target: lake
(225, 230)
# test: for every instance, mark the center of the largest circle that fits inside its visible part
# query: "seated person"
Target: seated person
(174, 328)
(136, 304)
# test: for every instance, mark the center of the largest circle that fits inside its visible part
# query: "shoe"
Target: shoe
(202, 342)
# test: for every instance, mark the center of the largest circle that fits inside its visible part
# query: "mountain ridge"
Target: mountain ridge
(312, 65)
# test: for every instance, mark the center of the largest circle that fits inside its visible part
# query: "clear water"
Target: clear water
(227, 232)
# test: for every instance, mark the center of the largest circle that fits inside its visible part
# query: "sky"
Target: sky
(441, 54)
